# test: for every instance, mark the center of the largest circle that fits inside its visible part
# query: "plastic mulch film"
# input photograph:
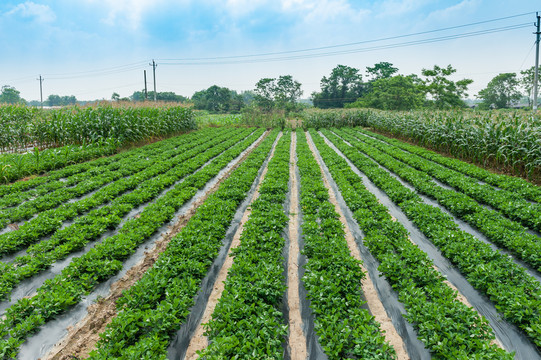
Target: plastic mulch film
(511, 338)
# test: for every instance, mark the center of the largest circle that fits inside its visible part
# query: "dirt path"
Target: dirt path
(82, 338)
(297, 339)
(199, 341)
(370, 293)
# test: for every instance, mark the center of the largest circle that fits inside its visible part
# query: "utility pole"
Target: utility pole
(41, 90)
(154, 65)
(536, 76)
(146, 92)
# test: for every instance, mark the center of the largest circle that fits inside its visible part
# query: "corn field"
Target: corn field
(508, 141)
(22, 128)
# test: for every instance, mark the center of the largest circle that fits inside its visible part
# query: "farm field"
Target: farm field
(34, 141)
(248, 243)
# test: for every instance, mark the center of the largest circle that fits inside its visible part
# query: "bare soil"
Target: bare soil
(297, 338)
(82, 338)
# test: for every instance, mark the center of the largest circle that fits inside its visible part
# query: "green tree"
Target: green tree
(343, 86)
(10, 95)
(168, 96)
(138, 96)
(445, 92)
(57, 100)
(54, 100)
(115, 96)
(69, 100)
(280, 93)
(264, 93)
(526, 83)
(381, 70)
(501, 92)
(248, 96)
(217, 99)
(393, 93)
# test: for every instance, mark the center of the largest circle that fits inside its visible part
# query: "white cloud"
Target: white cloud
(128, 13)
(400, 7)
(341, 10)
(41, 13)
(244, 7)
(454, 11)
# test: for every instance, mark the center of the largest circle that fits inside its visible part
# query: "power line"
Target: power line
(528, 55)
(97, 73)
(118, 67)
(359, 50)
(351, 44)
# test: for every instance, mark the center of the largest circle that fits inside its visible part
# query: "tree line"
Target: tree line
(382, 87)
(385, 89)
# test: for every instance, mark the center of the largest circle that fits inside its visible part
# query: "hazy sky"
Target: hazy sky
(92, 48)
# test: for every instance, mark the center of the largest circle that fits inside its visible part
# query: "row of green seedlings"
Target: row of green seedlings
(508, 203)
(61, 177)
(127, 166)
(518, 186)
(447, 327)
(153, 309)
(49, 221)
(14, 167)
(491, 223)
(73, 175)
(247, 322)
(94, 224)
(515, 294)
(54, 177)
(106, 259)
(332, 277)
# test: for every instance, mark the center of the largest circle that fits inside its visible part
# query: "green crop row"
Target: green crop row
(16, 166)
(103, 175)
(448, 328)
(247, 322)
(332, 276)
(55, 176)
(508, 203)
(89, 227)
(156, 306)
(518, 186)
(90, 170)
(496, 227)
(84, 273)
(516, 295)
(51, 220)
(501, 139)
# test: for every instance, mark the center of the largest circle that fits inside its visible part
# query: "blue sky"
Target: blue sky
(92, 48)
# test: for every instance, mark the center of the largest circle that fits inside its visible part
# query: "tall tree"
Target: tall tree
(10, 95)
(217, 99)
(393, 93)
(57, 100)
(54, 100)
(445, 92)
(281, 93)
(343, 86)
(526, 83)
(501, 92)
(381, 70)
